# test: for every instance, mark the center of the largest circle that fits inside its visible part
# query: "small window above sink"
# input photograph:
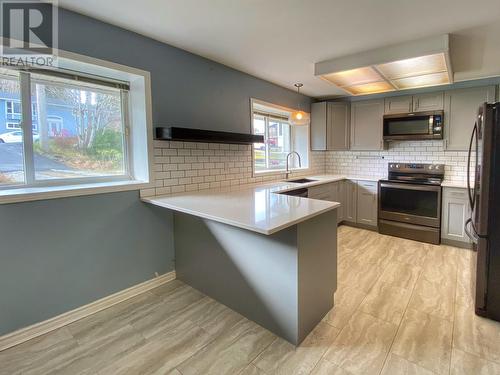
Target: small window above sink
(301, 180)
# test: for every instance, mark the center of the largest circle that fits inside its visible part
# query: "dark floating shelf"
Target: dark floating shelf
(198, 135)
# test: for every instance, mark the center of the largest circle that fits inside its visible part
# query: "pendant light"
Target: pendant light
(299, 117)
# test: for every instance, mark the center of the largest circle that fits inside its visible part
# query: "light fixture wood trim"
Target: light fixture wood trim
(401, 51)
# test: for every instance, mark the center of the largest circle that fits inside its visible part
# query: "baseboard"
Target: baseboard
(24, 334)
(454, 243)
(358, 225)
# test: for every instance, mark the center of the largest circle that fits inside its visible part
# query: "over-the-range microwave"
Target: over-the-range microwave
(416, 125)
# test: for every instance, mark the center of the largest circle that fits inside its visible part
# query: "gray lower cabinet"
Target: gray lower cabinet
(367, 203)
(454, 214)
(322, 192)
(333, 192)
(350, 200)
(460, 111)
(337, 189)
(330, 126)
(366, 125)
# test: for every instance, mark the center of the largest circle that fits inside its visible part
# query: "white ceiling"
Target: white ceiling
(280, 40)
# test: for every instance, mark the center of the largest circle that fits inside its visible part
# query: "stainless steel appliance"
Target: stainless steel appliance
(416, 125)
(409, 203)
(484, 225)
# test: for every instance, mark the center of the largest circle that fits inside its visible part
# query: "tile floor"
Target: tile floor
(401, 307)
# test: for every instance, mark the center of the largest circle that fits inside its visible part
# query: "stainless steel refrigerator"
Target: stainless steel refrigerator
(484, 197)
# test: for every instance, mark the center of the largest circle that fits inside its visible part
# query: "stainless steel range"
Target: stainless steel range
(409, 203)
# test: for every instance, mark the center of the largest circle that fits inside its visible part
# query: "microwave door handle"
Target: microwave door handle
(469, 190)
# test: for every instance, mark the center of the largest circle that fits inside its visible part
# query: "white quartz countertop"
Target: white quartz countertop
(254, 207)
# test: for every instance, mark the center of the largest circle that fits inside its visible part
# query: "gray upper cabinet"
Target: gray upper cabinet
(318, 126)
(366, 125)
(432, 101)
(398, 104)
(330, 126)
(338, 126)
(460, 110)
(414, 103)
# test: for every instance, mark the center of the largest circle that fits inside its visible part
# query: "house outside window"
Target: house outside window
(79, 131)
(280, 138)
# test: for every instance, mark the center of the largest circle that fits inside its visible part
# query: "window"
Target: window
(12, 125)
(80, 133)
(280, 138)
(89, 130)
(13, 108)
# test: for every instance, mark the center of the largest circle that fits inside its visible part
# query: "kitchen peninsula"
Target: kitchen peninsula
(269, 256)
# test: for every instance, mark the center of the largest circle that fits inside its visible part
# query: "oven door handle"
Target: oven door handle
(410, 186)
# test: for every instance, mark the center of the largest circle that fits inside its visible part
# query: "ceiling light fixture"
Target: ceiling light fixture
(420, 63)
(299, 117)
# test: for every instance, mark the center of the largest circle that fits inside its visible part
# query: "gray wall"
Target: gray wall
(77, 250)
(188, 90)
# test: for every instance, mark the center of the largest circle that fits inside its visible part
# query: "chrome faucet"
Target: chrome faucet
(287, 160)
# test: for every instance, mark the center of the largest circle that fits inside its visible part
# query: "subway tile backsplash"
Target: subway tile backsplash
(191, 166)
(374, 163)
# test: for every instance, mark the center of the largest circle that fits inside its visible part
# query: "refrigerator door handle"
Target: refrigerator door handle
(469, 190)
(469, 232)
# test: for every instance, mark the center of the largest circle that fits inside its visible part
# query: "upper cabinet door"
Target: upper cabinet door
(398, 104)
(366, 125)
(428, 102)
(338, 126)
(460, 111)
(318, 126)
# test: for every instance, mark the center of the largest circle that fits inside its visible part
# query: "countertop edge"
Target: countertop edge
(154, 201)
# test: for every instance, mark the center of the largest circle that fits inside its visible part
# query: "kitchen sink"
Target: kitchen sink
(301, 180)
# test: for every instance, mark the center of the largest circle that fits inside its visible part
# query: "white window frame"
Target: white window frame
(12, 125)
(15, 101)
(136, 113)
(12, 102)
(281, 109)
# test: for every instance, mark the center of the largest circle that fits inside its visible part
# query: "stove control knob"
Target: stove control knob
(431, 167)
(397, 165)
(437, 167)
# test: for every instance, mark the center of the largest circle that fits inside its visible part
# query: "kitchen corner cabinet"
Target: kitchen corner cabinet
(350, 200)
(367, 203)
(330, 126)
(460, 111)
(337, 189)
(455, 212)
(366, 125)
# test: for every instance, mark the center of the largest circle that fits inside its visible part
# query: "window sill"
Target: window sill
(52, 192)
